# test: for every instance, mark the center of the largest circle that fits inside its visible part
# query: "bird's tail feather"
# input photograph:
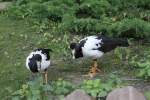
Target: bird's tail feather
(122, 42)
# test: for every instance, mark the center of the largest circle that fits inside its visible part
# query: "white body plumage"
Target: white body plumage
(90, 48)
(39, 63)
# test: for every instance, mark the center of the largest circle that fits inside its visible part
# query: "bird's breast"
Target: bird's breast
(92, 53)
(45, 64)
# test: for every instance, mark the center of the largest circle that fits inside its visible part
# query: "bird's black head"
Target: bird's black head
(37, 57)
(73, 45)
(76, 50)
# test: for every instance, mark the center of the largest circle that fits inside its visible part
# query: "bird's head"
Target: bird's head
(36, 57)
(76, 51)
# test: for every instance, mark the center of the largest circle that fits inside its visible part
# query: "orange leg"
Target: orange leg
(46, 78)
(94, 70)
(45, 81)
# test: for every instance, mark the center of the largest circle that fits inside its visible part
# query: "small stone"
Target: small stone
(4, 5)
(125, 93)
(78, 95)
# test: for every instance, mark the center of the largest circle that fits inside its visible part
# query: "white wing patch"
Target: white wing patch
(92, 43)
(91, 46)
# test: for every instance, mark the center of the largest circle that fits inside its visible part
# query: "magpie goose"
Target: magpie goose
(38, 61)
(95, 47)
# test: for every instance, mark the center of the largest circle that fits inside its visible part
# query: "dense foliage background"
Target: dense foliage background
(118, 18)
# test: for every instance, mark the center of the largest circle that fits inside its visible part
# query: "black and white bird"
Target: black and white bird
(95, 47)
(38, 61)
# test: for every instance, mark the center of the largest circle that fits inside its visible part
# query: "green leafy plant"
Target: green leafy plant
(122, 53)
(142, 63)
(134, 28)
(95, 88)
(40, 26)
(32, 90)
(147, 94)
(145, 69)
(61, 88)
(94, 9)
(98, 88)
(35, 90)
(117, 18)
(59, 44)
